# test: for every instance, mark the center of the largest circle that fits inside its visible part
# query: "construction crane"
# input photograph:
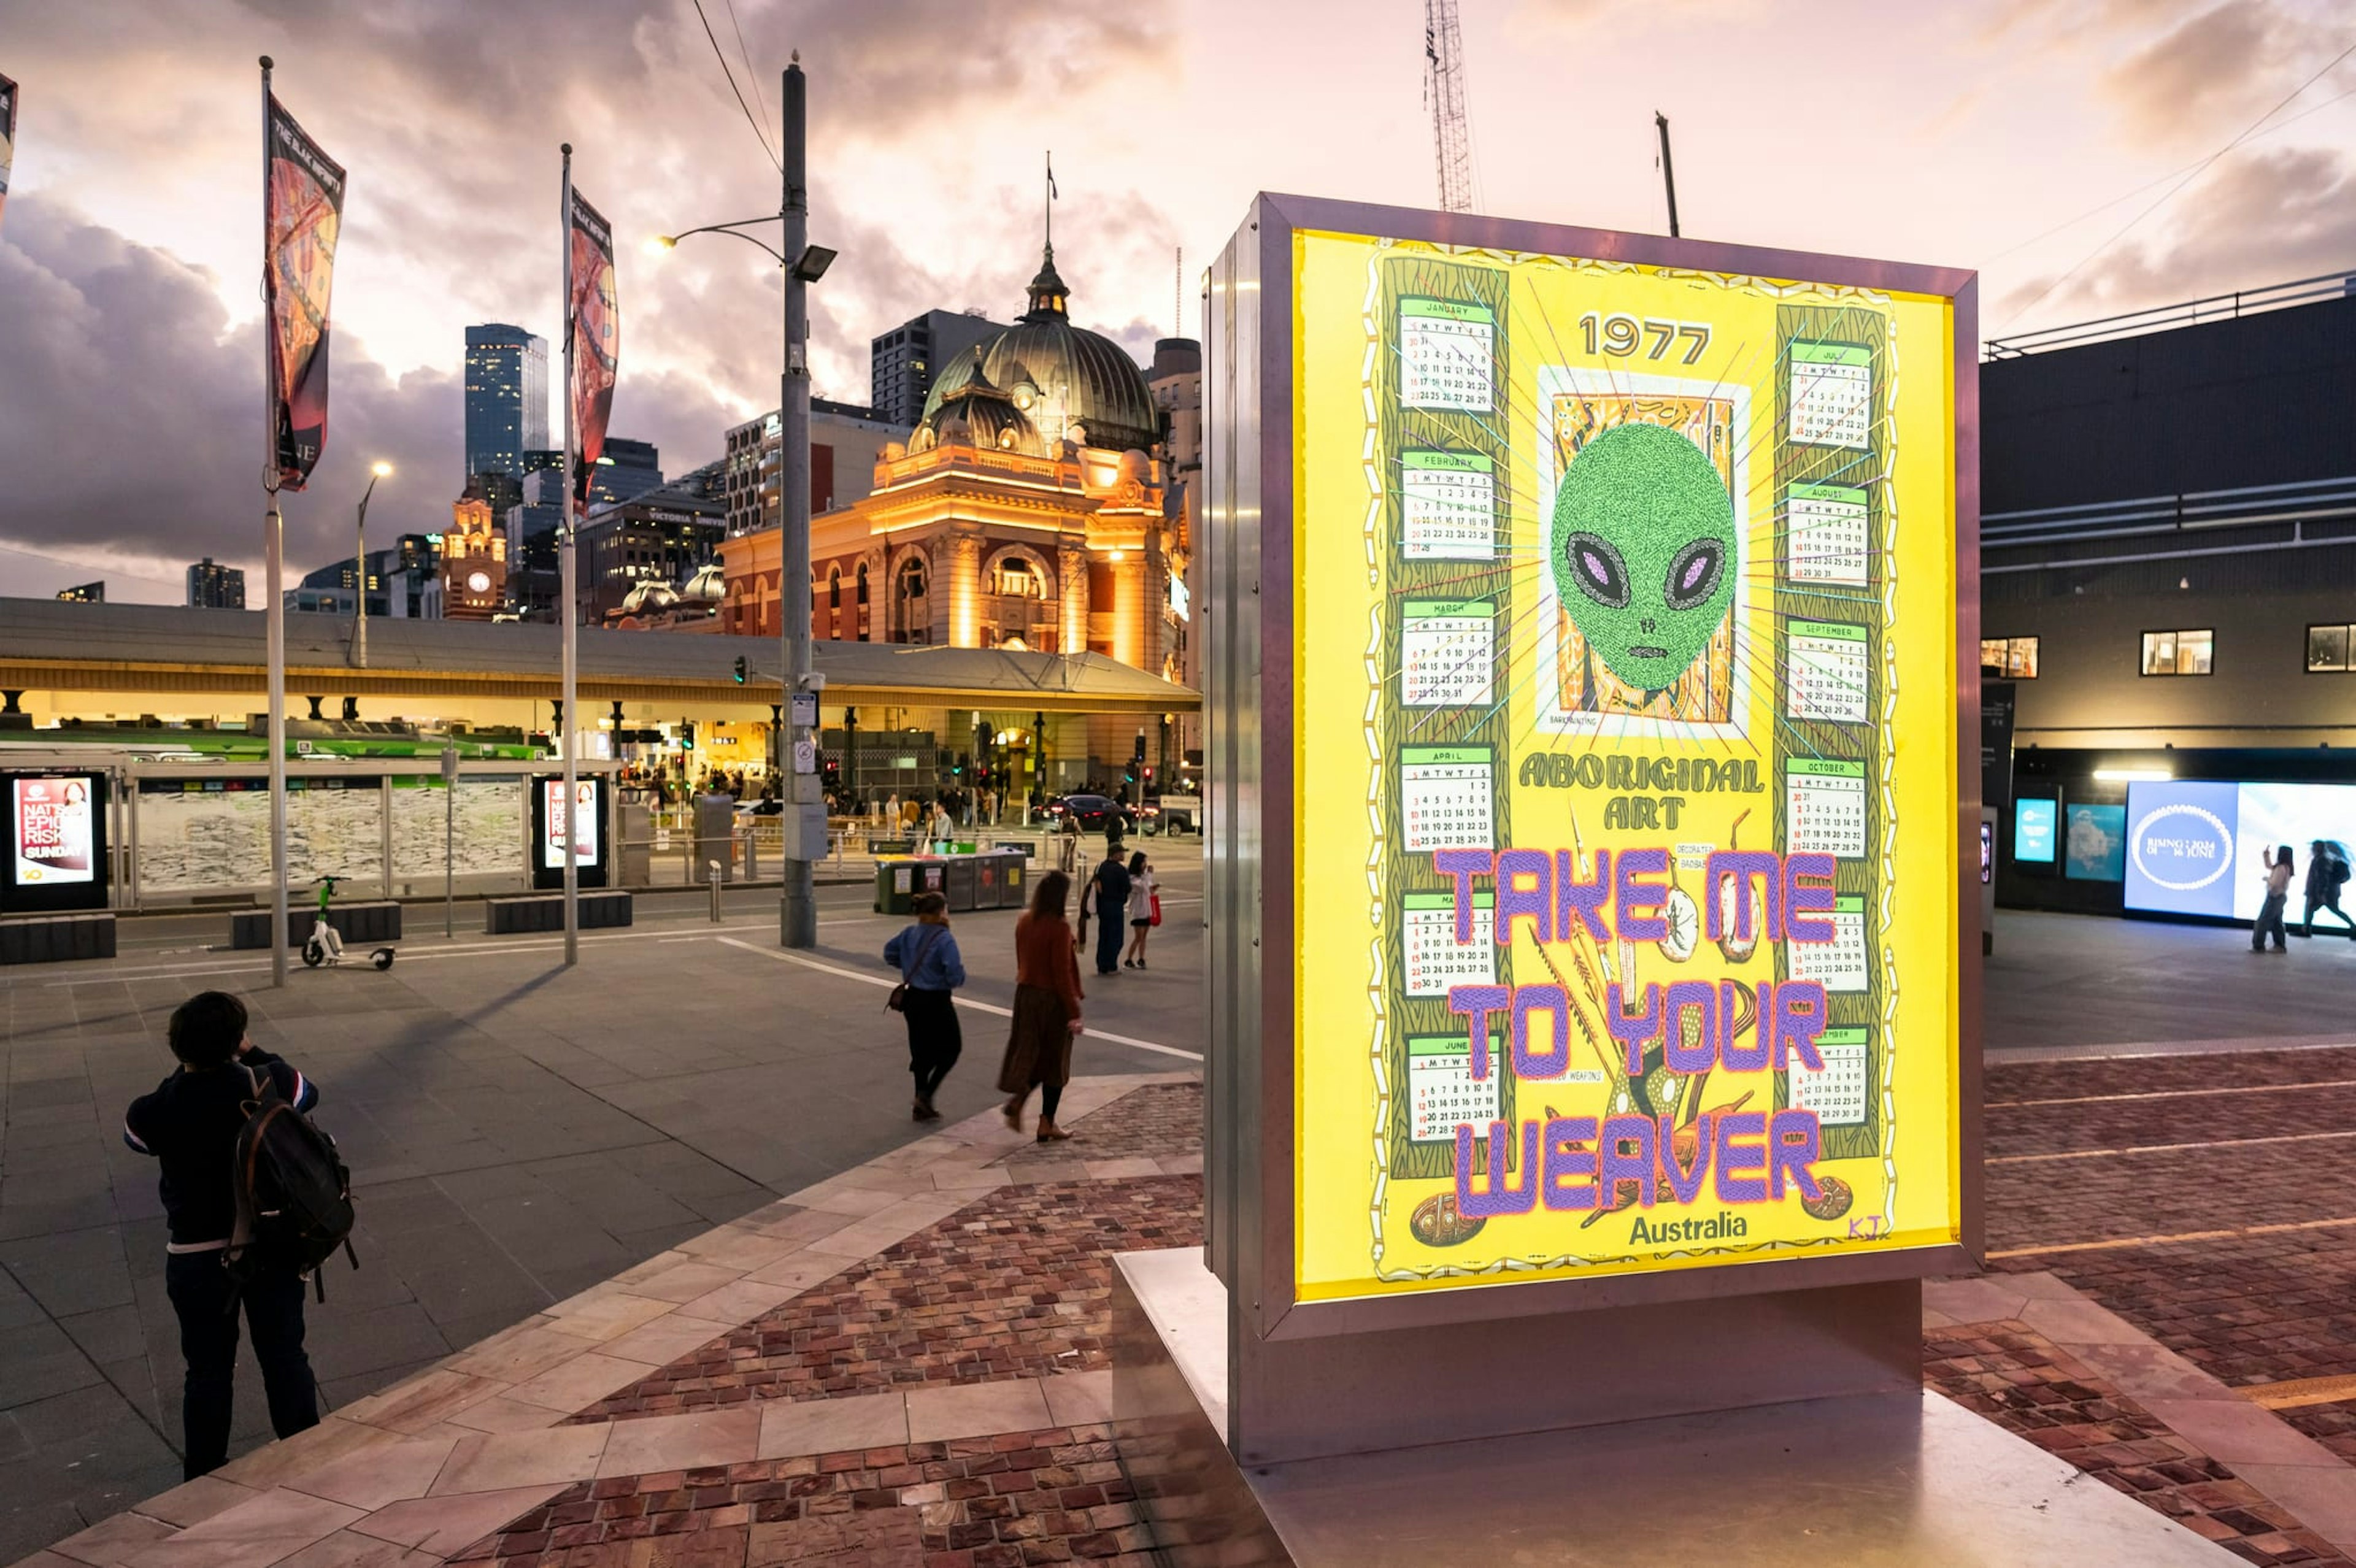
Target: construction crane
(1443, 94)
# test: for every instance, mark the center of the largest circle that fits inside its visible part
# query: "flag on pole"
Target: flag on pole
(305, 215)
(7, 135)
(594, 318)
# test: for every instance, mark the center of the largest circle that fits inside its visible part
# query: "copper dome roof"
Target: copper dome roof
(1058, 376)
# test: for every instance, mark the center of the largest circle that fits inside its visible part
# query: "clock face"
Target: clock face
(478, 583)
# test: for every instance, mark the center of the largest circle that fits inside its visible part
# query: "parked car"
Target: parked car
(1090, 811)
(1172, 814)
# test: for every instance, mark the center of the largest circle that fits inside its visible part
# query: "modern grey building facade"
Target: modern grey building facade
(212, 586)
(903, 361)
(507, 397)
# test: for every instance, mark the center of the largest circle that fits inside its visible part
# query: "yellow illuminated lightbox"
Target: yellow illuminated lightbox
(1624, 768)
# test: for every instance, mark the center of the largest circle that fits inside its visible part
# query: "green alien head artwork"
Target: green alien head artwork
(1644, 551)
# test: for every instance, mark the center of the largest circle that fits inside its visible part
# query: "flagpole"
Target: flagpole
(273, 536)
(567, 609)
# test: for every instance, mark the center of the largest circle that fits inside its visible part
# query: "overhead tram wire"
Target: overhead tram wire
(720, 55)
(746, 55)
(2195, 173)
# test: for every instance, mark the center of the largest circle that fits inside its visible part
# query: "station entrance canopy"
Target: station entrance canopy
(154, 652)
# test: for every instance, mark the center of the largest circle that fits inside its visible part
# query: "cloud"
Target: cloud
(132, 413)
(2255, 220)
(2225, 65)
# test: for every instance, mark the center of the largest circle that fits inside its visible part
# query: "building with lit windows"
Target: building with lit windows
(845, 441)
(507, 397)
(212, 586)
(903, 362)
(1029, 510)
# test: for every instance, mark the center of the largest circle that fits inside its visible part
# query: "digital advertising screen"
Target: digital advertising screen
(1603, 579)
(548, 825)
(57, 840)
(2201, 847)
(2032, 829)
(2094, 844)
(553, 816)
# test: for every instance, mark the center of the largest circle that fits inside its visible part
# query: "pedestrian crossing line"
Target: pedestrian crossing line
(2169, 1148)
(2291, 1394)
(2173, 1093)
(2119, 1244)
(1092, 1033)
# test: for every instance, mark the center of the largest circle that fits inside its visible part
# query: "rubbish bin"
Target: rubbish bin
(1013, 881)
(958, 882)
(985, 881)
(895, 884)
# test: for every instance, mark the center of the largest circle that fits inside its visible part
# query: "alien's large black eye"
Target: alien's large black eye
(1599, 570)
(1694, 574)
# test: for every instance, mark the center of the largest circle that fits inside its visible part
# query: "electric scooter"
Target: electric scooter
(325, 944)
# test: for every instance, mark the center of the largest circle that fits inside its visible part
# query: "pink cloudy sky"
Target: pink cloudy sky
(1980, 133)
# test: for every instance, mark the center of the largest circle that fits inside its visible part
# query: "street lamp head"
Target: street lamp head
(660, 244)
(815, 259)
(380, 469)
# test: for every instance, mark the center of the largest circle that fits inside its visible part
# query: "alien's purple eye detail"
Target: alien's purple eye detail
(1598, 570)
(1694, 574)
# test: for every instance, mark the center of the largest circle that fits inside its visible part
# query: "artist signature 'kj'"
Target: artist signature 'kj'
(1865, 1227)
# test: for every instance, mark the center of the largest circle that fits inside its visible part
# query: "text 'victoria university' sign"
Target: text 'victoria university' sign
(1624, 875)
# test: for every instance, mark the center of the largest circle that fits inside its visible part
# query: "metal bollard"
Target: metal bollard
(715, 890)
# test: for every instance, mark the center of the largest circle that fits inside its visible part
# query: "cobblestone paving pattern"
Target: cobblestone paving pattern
(1017, 1283)
(1152, 1123)
(1021, 1498)
(2263, 1288)
(2012, 1376)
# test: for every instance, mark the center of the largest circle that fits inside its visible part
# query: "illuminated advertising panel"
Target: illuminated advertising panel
(1629, 926)
(2094, 845)
(2032, 830)
(57, 840)
(2181, 846)
(553, 816)
(2199, 848)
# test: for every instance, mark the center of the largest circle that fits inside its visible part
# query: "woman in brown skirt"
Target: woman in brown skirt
(1046, 1008)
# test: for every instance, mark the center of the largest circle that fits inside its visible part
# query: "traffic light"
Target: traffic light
(740, 675)
(687, 737)
(1149, 774)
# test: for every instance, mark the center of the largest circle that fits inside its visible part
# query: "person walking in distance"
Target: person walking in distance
(1144, 902)
(2327, 873)
(2270, 913)
(1046, 1008)
(1106, 899)
(190, 1125)
(930, 967)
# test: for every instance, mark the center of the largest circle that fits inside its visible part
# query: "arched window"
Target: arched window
(911, 615)
(1018, 577)
(860, 589)
(834, 588)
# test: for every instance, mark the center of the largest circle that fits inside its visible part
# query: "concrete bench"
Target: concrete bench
(49, 938)
(545, 912)
(362, 925)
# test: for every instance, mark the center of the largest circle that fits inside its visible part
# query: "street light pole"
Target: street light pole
(359, 568)
(798, 902)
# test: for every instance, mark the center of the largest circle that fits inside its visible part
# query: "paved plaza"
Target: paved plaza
(709, 1283)
(518, 1133)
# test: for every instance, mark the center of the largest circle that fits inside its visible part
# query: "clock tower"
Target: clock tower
(474, 562)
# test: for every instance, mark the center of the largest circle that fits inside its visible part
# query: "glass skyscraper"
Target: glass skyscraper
(507, 397)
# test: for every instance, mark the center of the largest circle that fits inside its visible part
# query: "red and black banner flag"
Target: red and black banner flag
(7, 135)
(594, 314)
(299, 232)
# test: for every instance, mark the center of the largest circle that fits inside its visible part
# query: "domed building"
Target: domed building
(1030, 510)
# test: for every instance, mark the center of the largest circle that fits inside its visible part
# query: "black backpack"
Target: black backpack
(294, 1190)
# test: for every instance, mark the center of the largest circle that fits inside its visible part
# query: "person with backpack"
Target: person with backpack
(2270, 913)
(1107, 898)
(930, 969)
(194, 1124)
(2327, 873)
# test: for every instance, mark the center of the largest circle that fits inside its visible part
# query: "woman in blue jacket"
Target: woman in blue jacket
(926, 957)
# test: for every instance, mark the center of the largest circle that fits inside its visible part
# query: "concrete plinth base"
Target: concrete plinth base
(1898, 1479)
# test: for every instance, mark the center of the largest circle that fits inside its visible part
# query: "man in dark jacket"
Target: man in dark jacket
(2327, 869)
(1108, 900)
(190, 1124)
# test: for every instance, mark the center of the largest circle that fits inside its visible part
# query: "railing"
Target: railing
(2194, 511)
(2212, 307)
